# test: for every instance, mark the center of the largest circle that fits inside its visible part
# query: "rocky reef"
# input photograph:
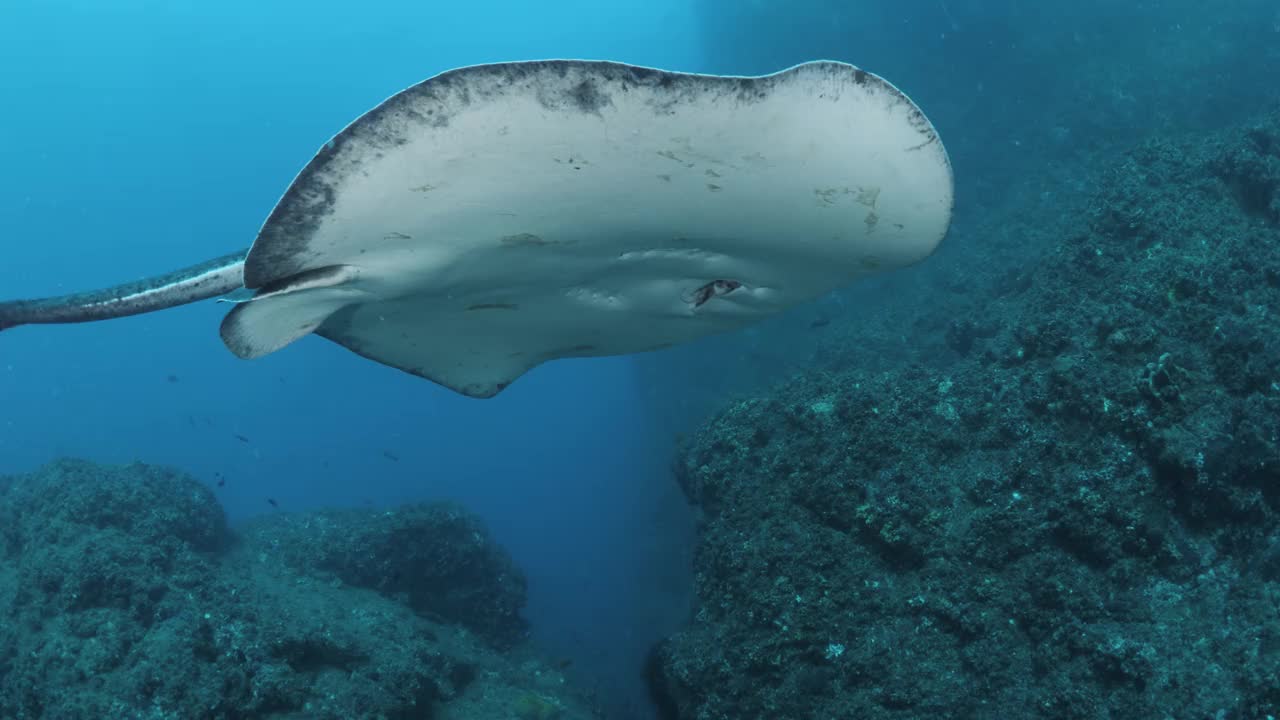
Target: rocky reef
(125, 595)
(1048, 487)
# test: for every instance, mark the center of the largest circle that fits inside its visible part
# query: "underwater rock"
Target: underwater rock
(437, 558)
(1071, 516)
(155, 505)
(124, 594)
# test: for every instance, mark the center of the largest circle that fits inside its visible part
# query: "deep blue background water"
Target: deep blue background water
(137, 137)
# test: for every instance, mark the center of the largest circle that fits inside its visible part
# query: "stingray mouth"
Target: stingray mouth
(713, 289)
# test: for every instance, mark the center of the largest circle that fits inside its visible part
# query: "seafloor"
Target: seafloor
(124, 595)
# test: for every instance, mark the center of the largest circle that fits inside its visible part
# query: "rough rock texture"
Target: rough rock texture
(124, 595)
(437, 558)
(1060, 501)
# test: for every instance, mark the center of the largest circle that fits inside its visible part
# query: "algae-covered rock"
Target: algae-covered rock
(1064, 506)
(155, 505)
(124, 595)
(437, 558)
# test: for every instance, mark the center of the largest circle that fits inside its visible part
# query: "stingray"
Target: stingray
(496, 217)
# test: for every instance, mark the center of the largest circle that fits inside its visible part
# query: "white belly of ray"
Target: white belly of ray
(508, 215)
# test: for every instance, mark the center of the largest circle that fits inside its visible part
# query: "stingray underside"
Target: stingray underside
(498, 216)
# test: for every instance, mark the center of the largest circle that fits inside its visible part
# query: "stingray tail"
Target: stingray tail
(198, 282)
(10, 316)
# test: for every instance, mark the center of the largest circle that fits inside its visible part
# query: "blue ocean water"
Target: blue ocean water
(137, 137)
(144, 136)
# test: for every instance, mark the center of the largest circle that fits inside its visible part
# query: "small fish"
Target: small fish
(222, 481)
(564, 663)
(272, 503)
(390, 456)
(820, 322)
(241, 438)
(191, 420)
(172, 378)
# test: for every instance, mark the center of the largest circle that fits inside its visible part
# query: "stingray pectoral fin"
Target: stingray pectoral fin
(476, 350)
(288, 309)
